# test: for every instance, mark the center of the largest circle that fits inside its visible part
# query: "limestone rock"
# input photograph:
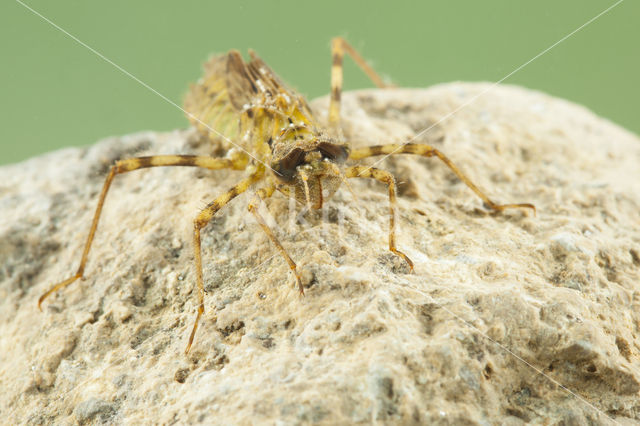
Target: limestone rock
(508, 318)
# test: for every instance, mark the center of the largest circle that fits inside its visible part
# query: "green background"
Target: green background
(56, 93)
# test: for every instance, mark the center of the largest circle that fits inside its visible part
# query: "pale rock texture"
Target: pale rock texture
(508, 318)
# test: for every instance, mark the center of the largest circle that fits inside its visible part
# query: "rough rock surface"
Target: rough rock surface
(508, 318)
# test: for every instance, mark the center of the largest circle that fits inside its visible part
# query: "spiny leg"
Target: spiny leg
(338, 48)
(429, 151)
(386, 178)
(263, 194)
(128, 165)
(200, 222)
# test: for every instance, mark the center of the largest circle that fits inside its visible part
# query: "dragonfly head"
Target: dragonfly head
(311, 173)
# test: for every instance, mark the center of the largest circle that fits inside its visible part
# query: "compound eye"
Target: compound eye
(286, 168)
(332, 151)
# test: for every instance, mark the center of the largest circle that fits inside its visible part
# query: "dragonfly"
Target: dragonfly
(270, 132)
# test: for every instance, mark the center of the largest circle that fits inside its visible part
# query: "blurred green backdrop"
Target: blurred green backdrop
(56, 93)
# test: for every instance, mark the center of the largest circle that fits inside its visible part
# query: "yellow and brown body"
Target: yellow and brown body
(248, 102)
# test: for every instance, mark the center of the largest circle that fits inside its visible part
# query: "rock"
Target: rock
(508, 318)
(92, 408)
